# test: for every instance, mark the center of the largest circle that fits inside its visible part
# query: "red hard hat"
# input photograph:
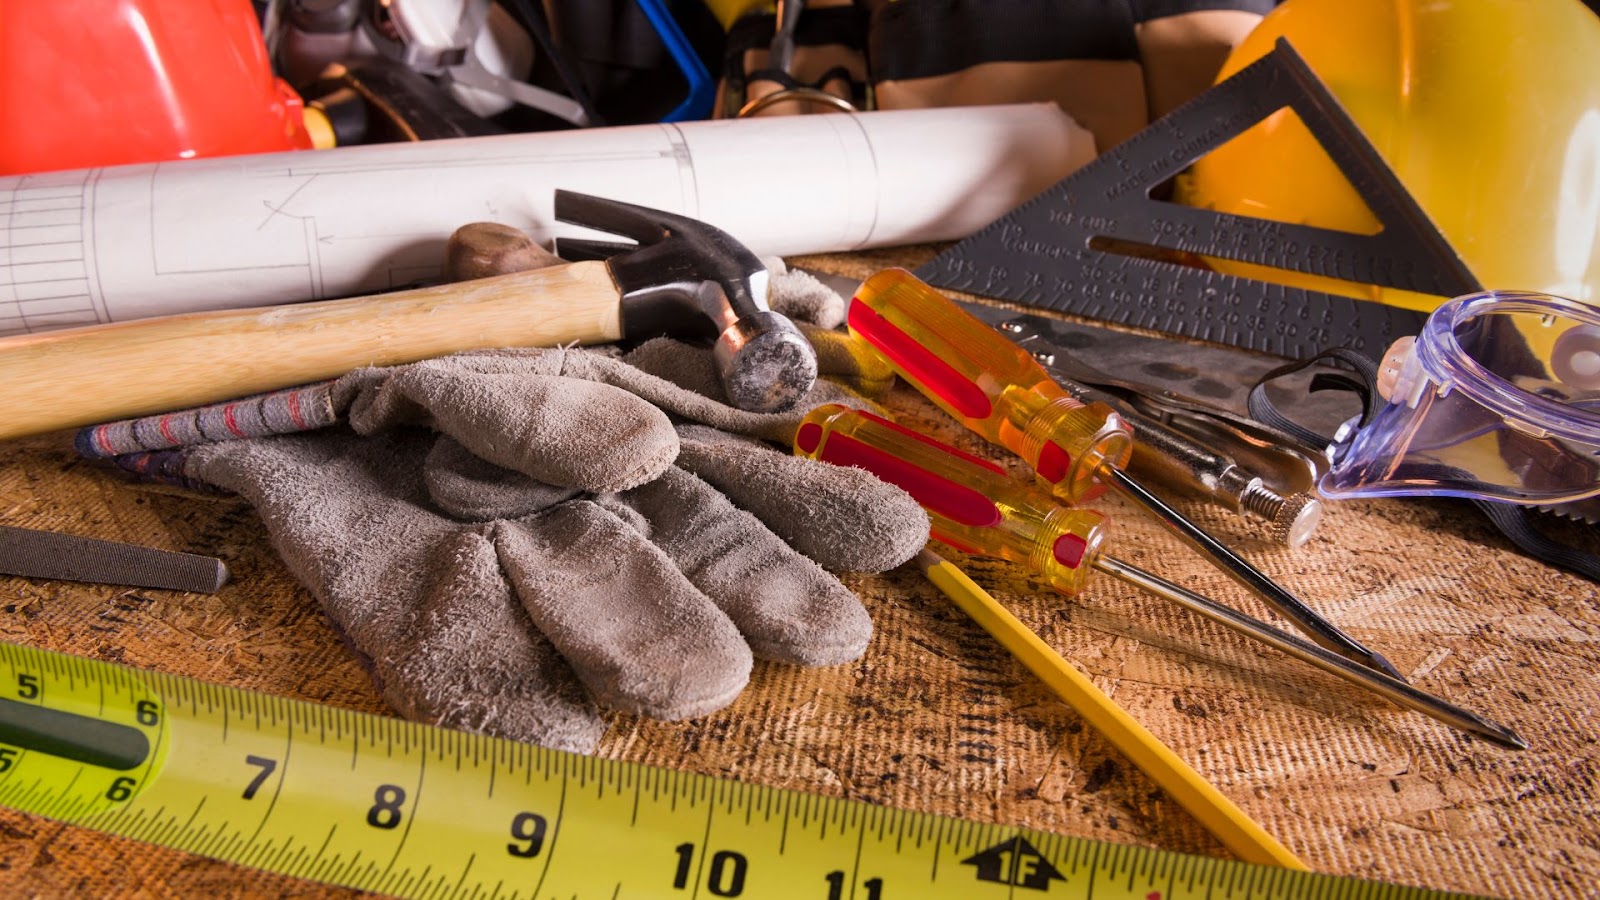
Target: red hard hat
(86, 83)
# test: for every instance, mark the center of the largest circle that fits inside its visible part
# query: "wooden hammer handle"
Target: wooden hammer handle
(83, 376)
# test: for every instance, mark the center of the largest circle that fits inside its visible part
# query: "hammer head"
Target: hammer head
(685, 278)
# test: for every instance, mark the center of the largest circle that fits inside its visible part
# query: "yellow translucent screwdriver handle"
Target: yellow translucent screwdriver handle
(995, 388)
(972, 504)
(988, 383)
(975, 507)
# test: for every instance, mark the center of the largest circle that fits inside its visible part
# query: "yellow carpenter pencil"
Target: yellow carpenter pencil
(1237, 831)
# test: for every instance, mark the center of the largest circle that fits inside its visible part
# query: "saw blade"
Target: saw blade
(1586, 510)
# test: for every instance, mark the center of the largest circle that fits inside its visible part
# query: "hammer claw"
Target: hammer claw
(580, 249)
(641, 223)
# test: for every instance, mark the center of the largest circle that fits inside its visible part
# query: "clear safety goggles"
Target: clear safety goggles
(1498, 398)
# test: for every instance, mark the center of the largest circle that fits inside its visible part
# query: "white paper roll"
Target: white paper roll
(103, 245)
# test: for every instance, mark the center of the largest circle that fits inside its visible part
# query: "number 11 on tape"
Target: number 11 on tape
(384, 805)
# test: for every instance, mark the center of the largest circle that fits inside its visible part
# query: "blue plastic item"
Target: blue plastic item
(702, 90)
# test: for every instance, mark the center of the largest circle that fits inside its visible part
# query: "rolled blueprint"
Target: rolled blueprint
(102, 245)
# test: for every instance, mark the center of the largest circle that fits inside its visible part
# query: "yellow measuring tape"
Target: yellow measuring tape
(385, 805)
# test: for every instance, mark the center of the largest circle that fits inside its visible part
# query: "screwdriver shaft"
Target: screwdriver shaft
(979, 509)
(1288, 605)
(1393, 688)
(999, 390)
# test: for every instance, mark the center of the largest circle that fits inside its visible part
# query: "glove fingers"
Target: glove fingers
(445, 640)
(639, 635)
(786, 606)
(847, 360)
(559, 430)
(478, 664)
(801, 297)
(845, 519)
(473, 489)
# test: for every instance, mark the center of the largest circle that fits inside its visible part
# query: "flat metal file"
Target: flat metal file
(54, 556)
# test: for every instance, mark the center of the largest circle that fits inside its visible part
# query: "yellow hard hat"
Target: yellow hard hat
(1487, 110)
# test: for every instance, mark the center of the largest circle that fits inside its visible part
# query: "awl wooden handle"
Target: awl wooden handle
(82, 376)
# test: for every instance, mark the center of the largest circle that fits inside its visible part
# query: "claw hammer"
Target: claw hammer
(685, 278)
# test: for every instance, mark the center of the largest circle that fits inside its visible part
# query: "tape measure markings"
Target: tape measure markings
(385, 805)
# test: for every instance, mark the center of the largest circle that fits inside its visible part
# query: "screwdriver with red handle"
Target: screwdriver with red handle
(993, 387)
(974, 506)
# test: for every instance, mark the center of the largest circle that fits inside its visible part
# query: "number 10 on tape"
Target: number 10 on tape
(385, 805)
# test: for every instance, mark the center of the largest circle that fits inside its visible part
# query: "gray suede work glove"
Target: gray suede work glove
(510, 538)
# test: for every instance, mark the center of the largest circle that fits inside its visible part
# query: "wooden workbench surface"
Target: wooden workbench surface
(936, 717)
